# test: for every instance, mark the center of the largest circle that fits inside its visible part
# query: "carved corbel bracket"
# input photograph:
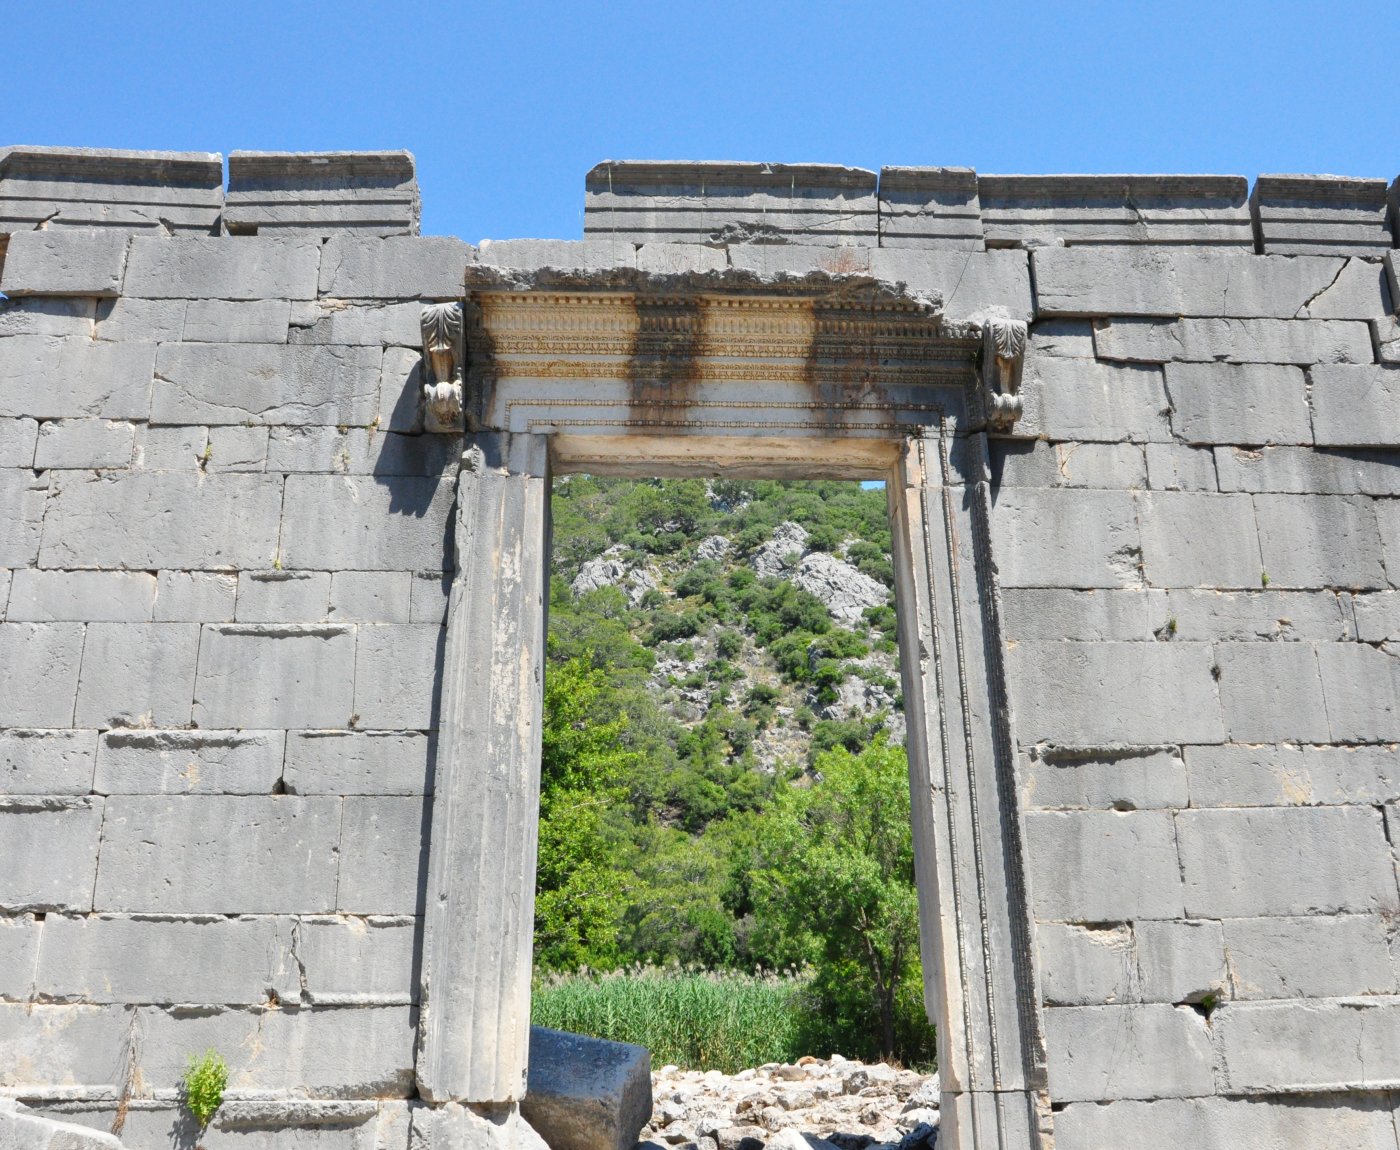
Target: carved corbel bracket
(1003, 356)
(444, 353)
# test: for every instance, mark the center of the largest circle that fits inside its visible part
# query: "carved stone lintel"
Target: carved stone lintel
(443, 355)
(1003, 355)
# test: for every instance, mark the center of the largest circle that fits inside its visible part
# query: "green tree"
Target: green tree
(583, 770)
(838, 887)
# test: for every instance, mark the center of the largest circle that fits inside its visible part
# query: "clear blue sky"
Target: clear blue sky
(507, 106)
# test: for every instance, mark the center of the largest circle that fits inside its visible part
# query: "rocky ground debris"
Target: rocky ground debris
(816, 1104)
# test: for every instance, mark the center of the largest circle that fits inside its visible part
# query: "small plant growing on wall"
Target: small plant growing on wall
(202, 1088)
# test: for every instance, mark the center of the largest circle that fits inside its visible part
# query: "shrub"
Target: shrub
(202, 1088)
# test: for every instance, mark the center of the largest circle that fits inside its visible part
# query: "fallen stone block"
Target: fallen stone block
(586, 1093)
(22, 1129)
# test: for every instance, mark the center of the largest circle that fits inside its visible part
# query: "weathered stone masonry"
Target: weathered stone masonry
(1161, 880)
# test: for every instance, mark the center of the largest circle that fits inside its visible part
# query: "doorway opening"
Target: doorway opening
(725, 837)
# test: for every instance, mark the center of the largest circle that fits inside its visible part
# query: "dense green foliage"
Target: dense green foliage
(703, 803)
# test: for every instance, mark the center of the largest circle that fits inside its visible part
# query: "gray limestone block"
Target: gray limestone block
(1317, 956)
(397, 671)
(137, 674)
(775, 260)
(1271, 692)
(1102, 866)
(1103, 1053)
(18, 437)
(173, 448)
(1177, 467)
(1267, 775)
(1245, 616)
(450, 1125)
(1091, 694)
(374, 325)
(65, 261)
(1377, 617)
(930, 208)
(1088, 401)
(1357, 1121)
(1192, 539)
(1316, 541)
(1385, 335)
(1064, 538)
(236, 449)
(219, 854)
(19, 950)
(189, 762)
(361, 451)
(112, 958)
(1355, 405)
(198, 596)
(1285, 1047)
(679, 259)
(348, 522)
(358, 960)
(46, 762)
(152, 320)
(45, 1045)
(397, 267)
(1035, 463)
(1181, 960)
(41, 672)
(48, 854)
(1238, 403)
(383, 854)
(283, 596)
(1322, 215)
(40, 315)
(359, 763)
(639, 201)
(84, 443)
(1284, 861)
(150, 520)
(1072, 338)
(230, 321)
(322, 193)
(1085, 966)
(265, 383)
(1058, 613)
(1304, 470)
(1391, 268)
(99, 380)
(275, 675)
(586, 1093)
(23, 1129)
(82, 596)
(969, 282)
(564, 255)
(290, 1054)
(1121, 778)
(1361, 685)
(222, 267)
(400, 390)
(1190, 281)
(1115, 209)
(1387, 517)
(370, 596)
(1360, 291)
(429, 594)
(1301, 342)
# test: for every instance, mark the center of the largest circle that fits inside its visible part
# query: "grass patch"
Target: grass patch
(698, 1020)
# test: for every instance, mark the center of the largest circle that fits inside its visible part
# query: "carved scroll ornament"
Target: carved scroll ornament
(443, 353)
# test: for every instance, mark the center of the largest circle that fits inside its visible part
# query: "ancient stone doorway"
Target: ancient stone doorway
(629, 374)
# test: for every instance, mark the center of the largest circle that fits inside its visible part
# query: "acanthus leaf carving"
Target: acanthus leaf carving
(1003, 356)
(443, 355)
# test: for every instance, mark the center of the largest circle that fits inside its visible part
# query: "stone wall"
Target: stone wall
(223, 589)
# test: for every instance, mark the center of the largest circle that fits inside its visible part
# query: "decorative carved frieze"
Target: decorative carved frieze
(443, 358)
